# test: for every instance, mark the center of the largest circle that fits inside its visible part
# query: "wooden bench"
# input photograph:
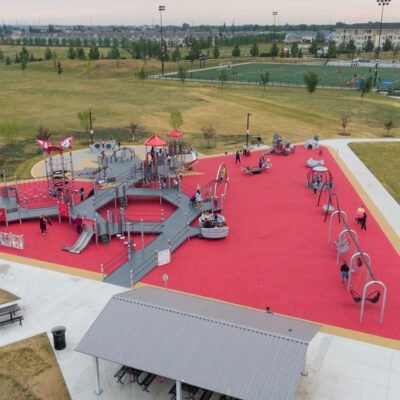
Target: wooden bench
(207, 394)
(10, 311)
(146, 382)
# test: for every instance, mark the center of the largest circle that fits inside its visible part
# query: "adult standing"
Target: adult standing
(198, 199)
(344, 269)
(43, 221)
(363, 221)
(237, 157)
(81, 193)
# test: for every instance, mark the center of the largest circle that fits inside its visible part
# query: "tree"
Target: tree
(1, 55)
(351, 47)
(313, 48)
(24, 58)
(320, 37)
(365, 87)
(47, 54)
(369, 46)
(396, 50)
(274, 50)
(216, 52)
(84, 119)
(388, 126)
(106, 41)
(294, 49)
(94, 53)
(387, 46)
(223, 77)
(236, 51)
(182, 74)
(264, 80)
(71, 53)
(300, 54)
(175, 118)
(176, 54)
(254, 51)
(8, 61)
(59, 69)
(114, 53)
(345, 121)
(141, 75)
(311, 80)
(43, 133)
(332, 51)
(80, 53)
(209, 133)
(17, 59)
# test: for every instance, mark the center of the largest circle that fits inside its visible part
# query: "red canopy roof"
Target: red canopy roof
(155, 140)
(175, 133)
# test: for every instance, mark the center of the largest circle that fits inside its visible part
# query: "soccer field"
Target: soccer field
(293, 74)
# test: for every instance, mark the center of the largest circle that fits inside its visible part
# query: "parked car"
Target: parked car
(361, 59)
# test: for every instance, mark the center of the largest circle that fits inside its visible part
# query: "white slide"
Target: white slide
(82, 241)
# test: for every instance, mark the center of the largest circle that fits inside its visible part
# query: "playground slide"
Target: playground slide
(190, 164)
(82, 241)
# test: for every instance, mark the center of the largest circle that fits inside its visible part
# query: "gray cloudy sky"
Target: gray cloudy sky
(138, 12)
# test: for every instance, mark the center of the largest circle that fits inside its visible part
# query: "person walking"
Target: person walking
(81, 193)
(363, 221)
(344, 269)
(237, 157)
(78, 221)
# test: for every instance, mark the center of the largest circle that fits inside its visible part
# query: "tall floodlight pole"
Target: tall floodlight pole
(275, 13)
(161, 9)
(248, 129)
(382, 3)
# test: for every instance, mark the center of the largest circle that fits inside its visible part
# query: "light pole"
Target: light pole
(248, 129)
(91, 127)
(161, 9)
(275, 13)
(382, 3)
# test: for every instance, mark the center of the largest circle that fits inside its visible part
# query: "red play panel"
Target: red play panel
(276, 253)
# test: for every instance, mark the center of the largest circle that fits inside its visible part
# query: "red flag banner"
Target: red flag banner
(2, 214)
(43, 144)
(67, 142)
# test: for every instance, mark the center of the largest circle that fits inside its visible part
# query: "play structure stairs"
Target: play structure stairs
(105, 239)
(122, 202)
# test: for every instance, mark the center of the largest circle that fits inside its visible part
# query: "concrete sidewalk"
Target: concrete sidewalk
(383, 200)
(338, 368)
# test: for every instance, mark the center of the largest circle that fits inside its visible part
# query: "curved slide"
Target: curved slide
(190, 164)
(82, 241)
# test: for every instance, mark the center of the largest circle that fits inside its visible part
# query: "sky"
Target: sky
(214, 12)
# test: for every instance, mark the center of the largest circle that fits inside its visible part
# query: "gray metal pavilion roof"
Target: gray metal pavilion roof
(241, 352)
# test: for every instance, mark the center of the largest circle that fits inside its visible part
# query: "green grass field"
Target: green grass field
(293, 74)
(39, 96)
(383, 160)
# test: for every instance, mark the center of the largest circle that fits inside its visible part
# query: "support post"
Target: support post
(19, 214)
(351, 267)
(383, 300)
(131, 272)
(96, 234)
(344, 216)
(115, 196)
(109, 225)
(142, 233)
(102, 272)
(97, 388)
(128, 227)
(304, 368)
(59, 216)
(162, 217)
(178, 390)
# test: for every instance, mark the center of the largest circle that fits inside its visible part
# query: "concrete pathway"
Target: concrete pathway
(386, 204)
(338, 368)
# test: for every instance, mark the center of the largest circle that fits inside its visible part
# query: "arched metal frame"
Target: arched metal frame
(351, 267)
(344, 215)
(383, 299)
(323, 172)
(343, 235)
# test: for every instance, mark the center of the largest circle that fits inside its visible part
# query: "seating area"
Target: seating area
(9, 312)
(133, 375)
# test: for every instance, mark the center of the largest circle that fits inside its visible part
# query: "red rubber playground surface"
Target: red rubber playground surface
(276, 254)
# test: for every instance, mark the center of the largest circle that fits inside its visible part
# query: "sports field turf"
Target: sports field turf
(293, 74)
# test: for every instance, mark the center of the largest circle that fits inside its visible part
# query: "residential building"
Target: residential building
(361, 33)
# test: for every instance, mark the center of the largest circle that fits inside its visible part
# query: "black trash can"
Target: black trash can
(59, 337)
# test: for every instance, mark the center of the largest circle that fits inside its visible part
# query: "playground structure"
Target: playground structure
(118, 178)
(312, 144)
(263, 165)
(280, 146)
(311, 163)
(346, 239)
